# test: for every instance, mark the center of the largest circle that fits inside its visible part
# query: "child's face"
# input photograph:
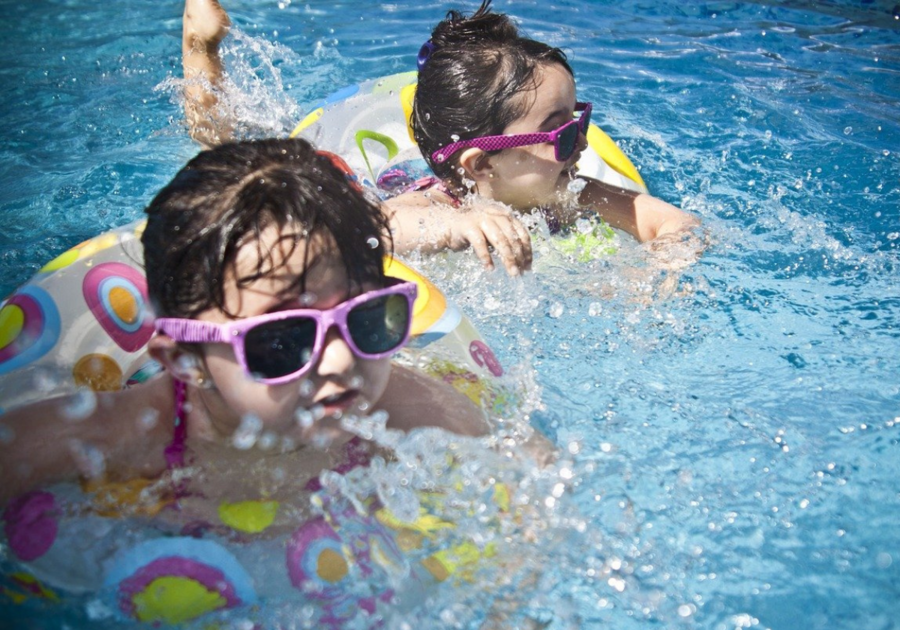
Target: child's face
(339, 383)
(530, 176)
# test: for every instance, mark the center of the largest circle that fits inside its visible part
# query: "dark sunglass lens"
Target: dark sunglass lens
(567, 140)
(280, 348)
(585, 120)
(380, 324)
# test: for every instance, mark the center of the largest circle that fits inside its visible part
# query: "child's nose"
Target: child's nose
(337, 357)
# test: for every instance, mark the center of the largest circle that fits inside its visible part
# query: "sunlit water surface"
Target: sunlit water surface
(729, 430)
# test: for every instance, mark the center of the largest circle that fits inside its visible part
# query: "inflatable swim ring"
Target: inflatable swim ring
(342, 563)
(82, 323)
(368, 125)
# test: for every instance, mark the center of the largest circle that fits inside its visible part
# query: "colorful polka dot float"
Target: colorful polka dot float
(117, 296)
(81, 322)
(173, 580)
(30, 525)
(29, 328)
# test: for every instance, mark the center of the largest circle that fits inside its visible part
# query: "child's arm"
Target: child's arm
(204, 25)
(425, 221)
(643, 216)
(118, 434)
(413, 399)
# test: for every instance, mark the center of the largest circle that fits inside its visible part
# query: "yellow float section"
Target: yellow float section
(12, 321)
(430, 303)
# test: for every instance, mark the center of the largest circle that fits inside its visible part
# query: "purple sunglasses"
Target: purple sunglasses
(281, 347)
(564, 139)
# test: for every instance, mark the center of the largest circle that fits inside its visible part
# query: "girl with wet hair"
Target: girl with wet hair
(264, 267)
(496, 118)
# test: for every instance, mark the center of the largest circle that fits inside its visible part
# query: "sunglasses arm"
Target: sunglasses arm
(192, 330)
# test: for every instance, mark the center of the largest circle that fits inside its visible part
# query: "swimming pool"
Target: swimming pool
(732, 429)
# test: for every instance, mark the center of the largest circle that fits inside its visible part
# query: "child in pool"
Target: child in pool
(493, 117)
(265, 270)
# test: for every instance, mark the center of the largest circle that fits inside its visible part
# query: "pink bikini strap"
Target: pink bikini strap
(425, 183)
(175, 450)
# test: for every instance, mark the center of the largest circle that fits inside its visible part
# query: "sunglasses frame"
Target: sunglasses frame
(498, 143)
(234, 333)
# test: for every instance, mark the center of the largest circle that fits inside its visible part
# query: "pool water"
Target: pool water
(730, 428)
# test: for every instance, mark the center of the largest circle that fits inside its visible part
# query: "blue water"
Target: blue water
(732, 427)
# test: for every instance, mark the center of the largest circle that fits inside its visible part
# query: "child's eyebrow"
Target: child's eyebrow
(560, 112)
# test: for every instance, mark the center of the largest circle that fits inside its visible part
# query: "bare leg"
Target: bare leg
(204, 25)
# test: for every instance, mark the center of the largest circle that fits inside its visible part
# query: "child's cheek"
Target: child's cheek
(375, 375)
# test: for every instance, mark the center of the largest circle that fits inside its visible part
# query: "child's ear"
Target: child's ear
(180, 363)
(476, 163)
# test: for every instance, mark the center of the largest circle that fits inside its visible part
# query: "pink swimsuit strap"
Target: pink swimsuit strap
(426, 183)
(175, 450)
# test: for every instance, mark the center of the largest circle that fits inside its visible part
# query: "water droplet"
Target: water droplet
(617, 584)
(556, 310)
(576, 185)
(148, 419)
(304, 418)
(267, 441)
(88, 458)
(80, 405)
(372, 242)
(247, 433)
(306, 387)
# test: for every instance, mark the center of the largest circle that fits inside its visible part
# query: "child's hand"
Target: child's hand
(677, 250)
(493, 226)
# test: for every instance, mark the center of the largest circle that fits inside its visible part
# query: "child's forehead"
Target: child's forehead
(284, 269)
(285, 255)
(553, 88)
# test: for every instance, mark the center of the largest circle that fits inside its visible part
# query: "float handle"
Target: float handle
(387, 142)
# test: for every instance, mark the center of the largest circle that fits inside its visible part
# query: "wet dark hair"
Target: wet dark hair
(225, 198)
(467, 87)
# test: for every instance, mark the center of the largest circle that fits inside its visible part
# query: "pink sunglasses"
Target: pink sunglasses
(564, 139)
(281, 347)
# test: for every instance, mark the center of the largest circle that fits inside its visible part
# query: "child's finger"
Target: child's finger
(523, 238)
(519, 241)
(519, 250)
(505, 247)
(479, 245)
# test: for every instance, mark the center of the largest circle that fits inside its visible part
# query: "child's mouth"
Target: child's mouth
(338, 403)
